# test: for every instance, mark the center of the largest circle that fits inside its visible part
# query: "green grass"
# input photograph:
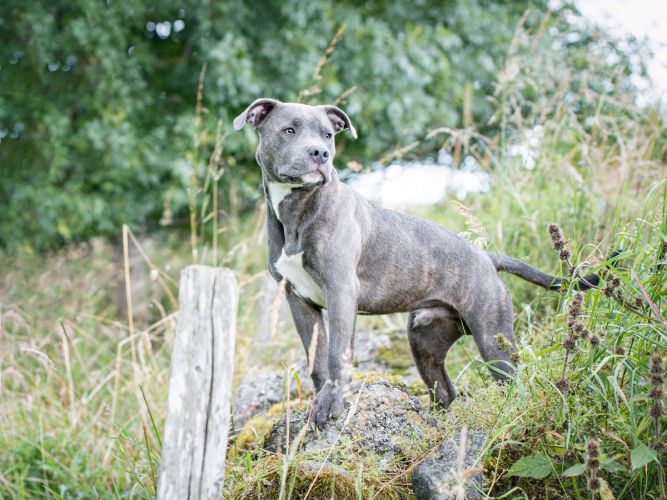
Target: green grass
(82, 400)
(75, 421)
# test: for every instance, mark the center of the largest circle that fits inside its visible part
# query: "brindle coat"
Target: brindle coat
(341, 253)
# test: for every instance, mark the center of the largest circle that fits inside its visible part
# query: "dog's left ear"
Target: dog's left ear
(339, 119)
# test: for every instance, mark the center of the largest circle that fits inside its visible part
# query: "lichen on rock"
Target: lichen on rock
(381, 418)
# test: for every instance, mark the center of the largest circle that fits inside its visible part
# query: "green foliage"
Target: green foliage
(98, 101)
(113, 136)
(533, 466)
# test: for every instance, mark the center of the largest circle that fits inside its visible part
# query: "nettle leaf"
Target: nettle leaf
(575, 470)
(612, 466)
(641, 455)
(533, 466)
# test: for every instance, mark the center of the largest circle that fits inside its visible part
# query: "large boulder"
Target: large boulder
(380, 418)
(259, 391)
(384, 431)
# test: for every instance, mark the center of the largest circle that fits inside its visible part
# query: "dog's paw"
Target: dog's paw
(328, 404)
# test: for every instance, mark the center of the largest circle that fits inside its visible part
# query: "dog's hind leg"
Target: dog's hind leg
(430, 340)
(491, 325)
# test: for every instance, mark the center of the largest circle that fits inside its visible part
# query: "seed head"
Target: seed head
(563, 385)
(657, 371)
(569, 344)
(594, 340)
(575, 305)
(594, 484)
(503, 344)
(557, 238)
(593, 448)
(615, 282)
(564, 254)
(619, 350)
(656, 410)
(656, 393)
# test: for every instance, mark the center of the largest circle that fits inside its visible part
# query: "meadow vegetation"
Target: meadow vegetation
(83, 389)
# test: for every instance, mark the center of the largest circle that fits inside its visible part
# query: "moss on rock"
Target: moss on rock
(416, 389)
(397, 357)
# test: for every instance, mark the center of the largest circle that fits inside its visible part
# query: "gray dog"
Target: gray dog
(339, 252)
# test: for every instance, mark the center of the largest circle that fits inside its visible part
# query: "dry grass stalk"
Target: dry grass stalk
(314, 89)
(287, 454)
(198, 139)
(275, 307)
(43, 358)
(128, 291)
(162, 277)
(199, 107)
(68, 371)
(399, 153)
(344, 95)
(312, 348)
(353, 409)
(474, 226)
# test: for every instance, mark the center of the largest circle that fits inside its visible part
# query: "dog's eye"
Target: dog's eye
(289, 131)
(328, 135)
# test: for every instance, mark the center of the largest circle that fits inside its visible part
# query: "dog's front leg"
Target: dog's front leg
(342, 311)
(308, 321)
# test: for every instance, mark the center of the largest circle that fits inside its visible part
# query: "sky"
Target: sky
(643, 19)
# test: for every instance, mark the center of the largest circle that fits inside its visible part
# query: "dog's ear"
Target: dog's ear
(255, 113)
(339, 119)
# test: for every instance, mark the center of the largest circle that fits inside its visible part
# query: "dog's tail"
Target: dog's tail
(534, 275)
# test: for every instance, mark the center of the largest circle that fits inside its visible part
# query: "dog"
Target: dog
(339, 252)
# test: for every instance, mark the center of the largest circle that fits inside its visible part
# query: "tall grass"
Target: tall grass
(83, 391)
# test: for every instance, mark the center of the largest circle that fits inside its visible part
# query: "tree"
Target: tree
(98, 100)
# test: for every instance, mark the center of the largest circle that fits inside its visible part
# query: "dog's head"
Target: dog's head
(296, 141)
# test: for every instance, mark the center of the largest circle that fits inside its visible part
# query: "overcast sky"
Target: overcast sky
(643, 19)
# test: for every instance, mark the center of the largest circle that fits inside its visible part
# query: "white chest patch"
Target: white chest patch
(277, 193)
(291, 268)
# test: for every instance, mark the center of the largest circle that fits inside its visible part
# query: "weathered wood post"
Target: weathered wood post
(194, 447)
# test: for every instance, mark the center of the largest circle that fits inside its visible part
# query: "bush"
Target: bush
(98, 108)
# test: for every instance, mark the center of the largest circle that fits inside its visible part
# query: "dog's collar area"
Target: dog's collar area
(278, 191)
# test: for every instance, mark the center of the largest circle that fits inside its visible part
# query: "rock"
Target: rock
(380, 352)
(260, 391)
(382, 419)
(436, 477)
(313, 467)
(367, 347)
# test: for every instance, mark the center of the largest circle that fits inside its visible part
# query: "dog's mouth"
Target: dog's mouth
(315, 174)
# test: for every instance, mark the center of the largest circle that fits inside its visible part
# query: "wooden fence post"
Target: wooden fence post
(194, 447)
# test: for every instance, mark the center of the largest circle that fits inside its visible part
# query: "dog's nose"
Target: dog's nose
(318, 154)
